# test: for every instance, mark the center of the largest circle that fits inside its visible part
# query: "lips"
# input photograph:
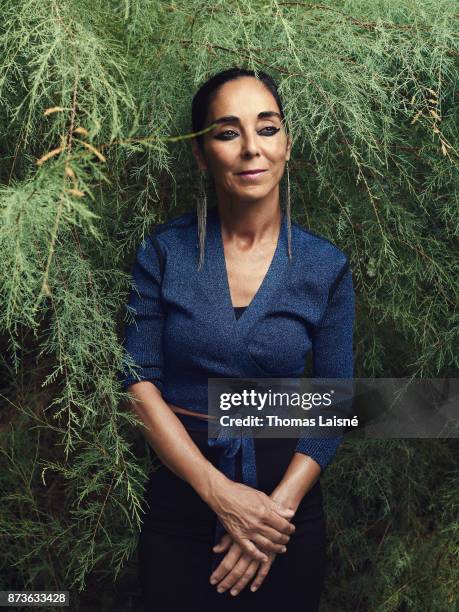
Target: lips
(251, 172)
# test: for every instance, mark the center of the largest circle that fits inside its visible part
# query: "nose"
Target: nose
(250, 147)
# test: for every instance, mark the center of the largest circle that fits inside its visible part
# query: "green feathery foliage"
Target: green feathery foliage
(94, 132)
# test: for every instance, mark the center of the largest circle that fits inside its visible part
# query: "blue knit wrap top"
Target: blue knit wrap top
(182, 328)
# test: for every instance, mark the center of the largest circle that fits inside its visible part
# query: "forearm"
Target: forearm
(171, 442)
(300, 476)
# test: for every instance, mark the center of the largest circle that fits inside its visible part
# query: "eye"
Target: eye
(225, 135)
(222, 135)
(269, 130)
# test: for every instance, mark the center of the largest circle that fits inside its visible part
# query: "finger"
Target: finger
(249, 548)
(282, 510)
(227, 564)
(224, 544)
(247, 577)
(235, 574)
(267, 545)
(279, 523)
(263, 570)
(273, 535)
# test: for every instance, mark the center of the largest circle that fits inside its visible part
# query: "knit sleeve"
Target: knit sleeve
(145, 318)
(332, 354)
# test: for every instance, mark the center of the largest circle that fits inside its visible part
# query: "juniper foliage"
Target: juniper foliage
(94, 124)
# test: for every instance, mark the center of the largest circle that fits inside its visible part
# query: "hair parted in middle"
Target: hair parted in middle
(199, 110)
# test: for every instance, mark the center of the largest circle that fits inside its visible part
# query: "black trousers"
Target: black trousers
(175, 543)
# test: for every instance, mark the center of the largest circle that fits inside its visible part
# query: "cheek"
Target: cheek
(223, 160)
(276, 153)
(278, 169)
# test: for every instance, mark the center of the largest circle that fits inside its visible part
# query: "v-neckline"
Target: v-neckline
(266, 284)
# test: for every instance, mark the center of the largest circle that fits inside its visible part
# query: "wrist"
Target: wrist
(301, 475)
(285, 496)
(209, 484)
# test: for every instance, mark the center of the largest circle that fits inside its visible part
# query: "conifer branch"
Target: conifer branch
(45, 289)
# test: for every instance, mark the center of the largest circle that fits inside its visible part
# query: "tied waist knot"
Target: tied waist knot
(231, 446)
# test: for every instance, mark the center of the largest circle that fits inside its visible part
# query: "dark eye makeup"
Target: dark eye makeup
(270, 130)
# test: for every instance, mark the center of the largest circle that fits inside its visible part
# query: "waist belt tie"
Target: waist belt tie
(231, 446)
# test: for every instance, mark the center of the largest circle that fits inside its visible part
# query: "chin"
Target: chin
(252, 194)
(253, 191)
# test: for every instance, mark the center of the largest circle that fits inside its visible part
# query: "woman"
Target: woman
(238, 291)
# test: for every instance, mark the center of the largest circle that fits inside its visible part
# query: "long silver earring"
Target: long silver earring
(202, 218)
(289, 216)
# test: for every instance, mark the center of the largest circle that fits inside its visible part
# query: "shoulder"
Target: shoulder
(173, 228)
(320, 248)
(177, 224)
(167, 237)
(174, 232)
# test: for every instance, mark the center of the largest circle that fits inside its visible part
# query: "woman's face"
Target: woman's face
(249, 136)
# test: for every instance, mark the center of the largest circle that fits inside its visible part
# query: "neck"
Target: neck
(250, 221)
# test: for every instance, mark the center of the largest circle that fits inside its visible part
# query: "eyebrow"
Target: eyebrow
(234, 119)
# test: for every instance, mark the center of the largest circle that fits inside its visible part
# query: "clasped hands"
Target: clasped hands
(258, 528)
